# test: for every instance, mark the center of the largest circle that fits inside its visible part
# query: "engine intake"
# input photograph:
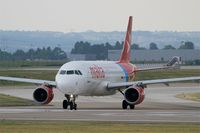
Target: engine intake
(134, 95)
(43, 94)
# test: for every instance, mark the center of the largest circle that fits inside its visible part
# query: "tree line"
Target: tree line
(101, 50)
(184, 45)
(38, 54)
(81, 47)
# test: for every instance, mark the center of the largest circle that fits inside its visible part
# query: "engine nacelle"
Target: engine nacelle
(134, 95)
(43, 94)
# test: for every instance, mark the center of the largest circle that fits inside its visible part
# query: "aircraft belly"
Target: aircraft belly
(95, 88)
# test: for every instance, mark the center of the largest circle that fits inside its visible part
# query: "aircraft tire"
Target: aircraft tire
(75, 106)
(65, 104)
(71, 105)
(132, 106)
(124, 104)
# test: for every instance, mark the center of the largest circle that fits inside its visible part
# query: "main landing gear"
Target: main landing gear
(70, 102)
(125, 105)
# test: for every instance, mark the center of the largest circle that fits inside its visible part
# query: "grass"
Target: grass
(91, 127)
(37, 74)
(6, 100)
(190, 96)
(11, 64)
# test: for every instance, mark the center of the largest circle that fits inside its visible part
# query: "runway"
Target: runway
(160, 106)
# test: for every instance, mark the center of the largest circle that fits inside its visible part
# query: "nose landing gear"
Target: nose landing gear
(70, 102)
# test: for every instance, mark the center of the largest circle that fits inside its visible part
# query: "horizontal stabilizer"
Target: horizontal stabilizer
(174, 61)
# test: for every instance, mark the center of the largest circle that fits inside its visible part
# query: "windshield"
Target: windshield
(70, 72)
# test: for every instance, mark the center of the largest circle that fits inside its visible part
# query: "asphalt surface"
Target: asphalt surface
(160, 106)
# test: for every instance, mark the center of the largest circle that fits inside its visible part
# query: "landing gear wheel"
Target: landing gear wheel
(132, 106)
(65, 104)
(75, 106)
(70, 101)
(124, 104)
(71, 105)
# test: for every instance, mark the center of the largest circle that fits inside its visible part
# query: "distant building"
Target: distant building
(157, 55)
(90, 57)
(76, 57)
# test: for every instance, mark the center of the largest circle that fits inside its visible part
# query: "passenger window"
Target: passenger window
(69, 72)
(62, 72)
(76, 72)
(79, 72)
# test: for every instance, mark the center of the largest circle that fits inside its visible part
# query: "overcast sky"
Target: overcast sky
(99, 15)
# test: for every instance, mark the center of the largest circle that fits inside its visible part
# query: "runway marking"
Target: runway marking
(151, 112)
(99, 120)
(167, 114)
(27, 110)
(11, 110)
(131, 116)
(106, 113)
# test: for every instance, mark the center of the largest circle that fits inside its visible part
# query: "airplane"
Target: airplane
(99, 78)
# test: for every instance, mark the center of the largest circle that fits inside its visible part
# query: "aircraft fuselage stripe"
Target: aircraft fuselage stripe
(125, 72)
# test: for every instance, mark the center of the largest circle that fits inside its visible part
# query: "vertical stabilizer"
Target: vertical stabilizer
(126, 52)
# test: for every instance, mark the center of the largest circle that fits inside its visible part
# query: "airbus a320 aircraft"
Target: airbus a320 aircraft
(99, 78)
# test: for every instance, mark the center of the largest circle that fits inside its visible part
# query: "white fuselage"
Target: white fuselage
(89, 78)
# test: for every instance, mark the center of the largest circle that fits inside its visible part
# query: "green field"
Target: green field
(6, 100)
(50, 74)
(189, 96)
(14, 64)
(93, 127)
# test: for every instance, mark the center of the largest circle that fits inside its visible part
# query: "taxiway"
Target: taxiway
(160, 106)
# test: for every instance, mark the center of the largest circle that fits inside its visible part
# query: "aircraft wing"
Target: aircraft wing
(25, 80)
(148, 82)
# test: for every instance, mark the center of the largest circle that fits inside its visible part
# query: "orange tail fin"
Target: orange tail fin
(126, 52)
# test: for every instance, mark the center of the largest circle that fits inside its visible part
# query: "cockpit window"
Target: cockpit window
(62, 72)
(80, 72)
(69, 72)
(76, 72)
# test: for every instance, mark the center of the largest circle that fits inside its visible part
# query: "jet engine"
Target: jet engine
(134, 95)
(43, 94)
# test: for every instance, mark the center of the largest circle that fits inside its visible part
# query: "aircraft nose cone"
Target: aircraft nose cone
(65, 84)
(60, 82)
